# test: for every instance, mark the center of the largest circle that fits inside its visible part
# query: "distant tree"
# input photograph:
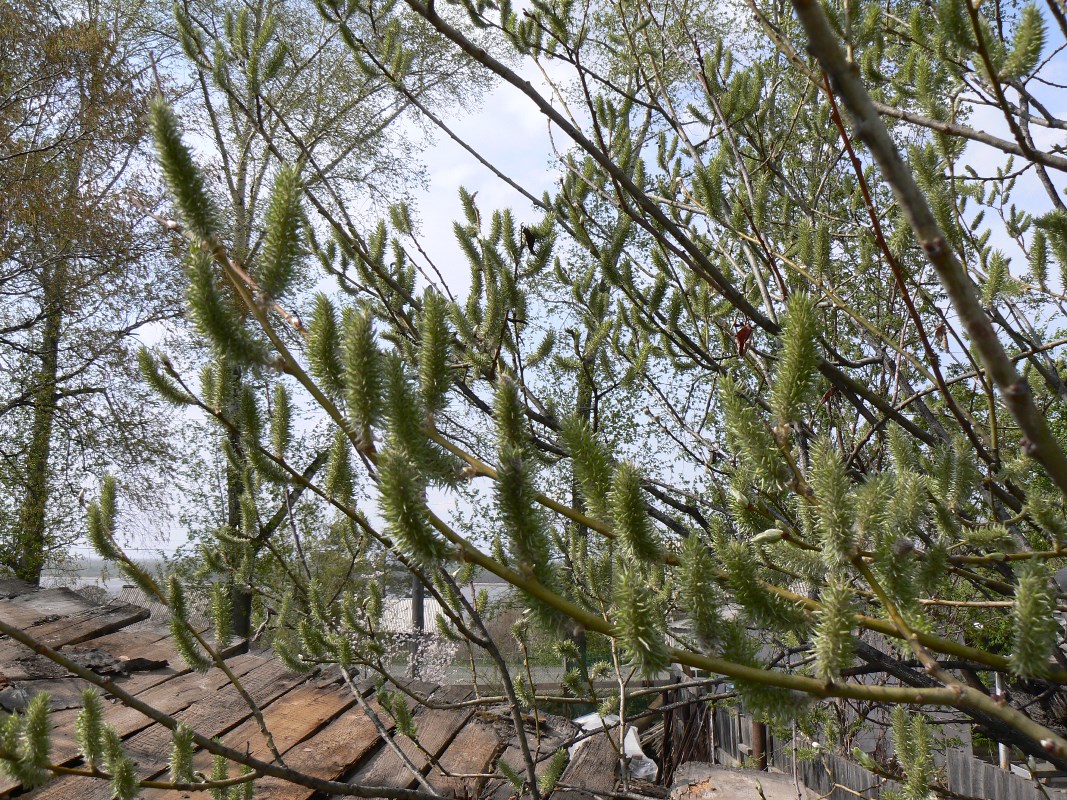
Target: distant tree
(81, 273)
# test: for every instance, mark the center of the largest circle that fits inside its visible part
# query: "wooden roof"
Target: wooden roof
(315, 720)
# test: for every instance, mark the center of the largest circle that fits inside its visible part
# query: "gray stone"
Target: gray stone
(698, 781)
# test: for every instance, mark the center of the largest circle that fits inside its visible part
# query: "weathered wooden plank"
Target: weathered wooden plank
(474, 750)
(169, 698)
(62, 693)
(149, 642)
(958, 771)
(592, 769)
(149, 749)
(32, 608)
(58, 617)
(132, 642)
(19, 663)
(291, 719)
(436, 728)
(328, 754)
(556, 732)
(88, 624)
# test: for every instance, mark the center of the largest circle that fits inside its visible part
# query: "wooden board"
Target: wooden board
(149, 749)
(474, 750)
(592, 769)
(291, 719)
(436, 729)
(58, 617)
(150, 642)
(138, 641)
(190, 688)
(19, 663)
(88, 624)
(555, 734)
(327, 755)
(43, 605)
(185, 690)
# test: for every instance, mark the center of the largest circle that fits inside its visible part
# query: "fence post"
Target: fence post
(759, 744)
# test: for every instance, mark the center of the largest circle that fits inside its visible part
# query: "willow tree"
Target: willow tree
(808, 311)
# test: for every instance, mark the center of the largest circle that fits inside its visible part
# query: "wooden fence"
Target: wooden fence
(834, 778)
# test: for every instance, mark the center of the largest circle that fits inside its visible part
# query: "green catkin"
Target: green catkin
(362, 374)
(548, 780)
(434, 352)
(407, 430)
(281, 421)
(832, 644)
(221, 614)
(749, 438)
(1034, 627)
(901, 449)
(185, 181)
(591, 463)
(108, 511)
(639, 623)
(1048, 513)
(100, 537)
(872, 501)
(162, 384)
(1028, 42)
(630, 514)
(338, 481)
(835, 504)
(911, 740)
(324, 345)
(763, 608)
(402, 499)
(181, 755)
(247, 790)
(509, 412)
(405, 724)
(89, 728)
(1038, 257)
(1054, 225)
(249, 418)
(220, 771)
(524, 524)
(184, 641)
(517, 781)
(276, 265)
(37, 737)
(794, 379)
(697, 593)
(124, 784)
(215, 316)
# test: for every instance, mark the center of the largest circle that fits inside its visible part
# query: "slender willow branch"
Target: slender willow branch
(966, 423)
(1038, 441)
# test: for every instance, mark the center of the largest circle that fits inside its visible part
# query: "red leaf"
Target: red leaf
(744, 333)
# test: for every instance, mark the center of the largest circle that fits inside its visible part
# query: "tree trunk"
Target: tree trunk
(31, 537)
